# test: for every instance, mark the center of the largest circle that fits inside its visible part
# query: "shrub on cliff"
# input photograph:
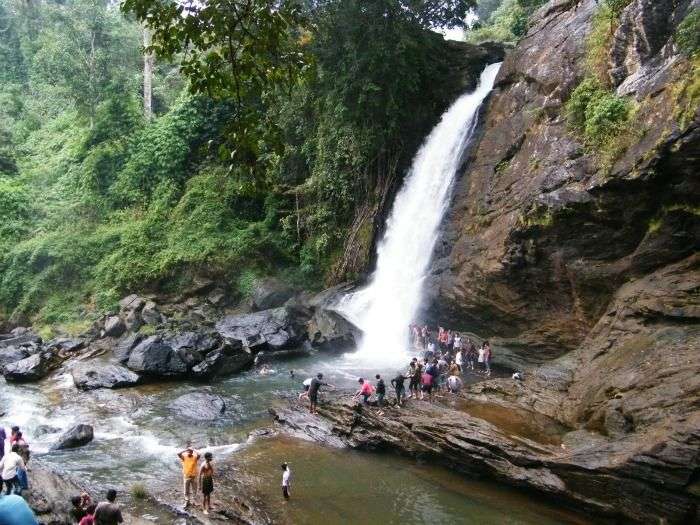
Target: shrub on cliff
(598, 114)
(688, 33)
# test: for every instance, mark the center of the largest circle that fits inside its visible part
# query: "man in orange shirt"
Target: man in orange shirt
(190, 459)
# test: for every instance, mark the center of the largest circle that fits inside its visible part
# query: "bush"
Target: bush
(688, 33)
(598, 114)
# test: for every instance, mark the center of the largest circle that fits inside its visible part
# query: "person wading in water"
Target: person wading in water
(286, 481)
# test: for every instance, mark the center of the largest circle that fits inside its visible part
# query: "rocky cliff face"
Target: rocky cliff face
(543, 231)
(582, 263)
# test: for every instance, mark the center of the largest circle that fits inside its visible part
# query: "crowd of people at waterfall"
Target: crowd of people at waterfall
(445, 357)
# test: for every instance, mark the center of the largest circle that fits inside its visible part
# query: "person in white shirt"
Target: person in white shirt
(9, 464)
(286, 480)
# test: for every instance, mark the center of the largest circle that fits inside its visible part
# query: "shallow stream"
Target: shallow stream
(137, 437)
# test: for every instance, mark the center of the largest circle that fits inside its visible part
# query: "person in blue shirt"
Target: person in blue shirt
(15, 511)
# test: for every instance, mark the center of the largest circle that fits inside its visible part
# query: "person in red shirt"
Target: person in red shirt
(365, 391)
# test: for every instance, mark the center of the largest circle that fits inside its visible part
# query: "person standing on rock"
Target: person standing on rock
(206, 482)
(314, 387)
(9, 465)
(487, 358)
(18, 439)
(286, 481)
(306, 384)
(414, 374)
(398, 384)
(459, 359)
(380, 388)
(471, 354)
(3, 437)
(189, 458)
(108, 512)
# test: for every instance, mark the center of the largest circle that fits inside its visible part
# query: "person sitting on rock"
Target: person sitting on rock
(189, 458)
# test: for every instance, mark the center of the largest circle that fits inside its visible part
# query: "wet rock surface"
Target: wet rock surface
(199, 406)
(32, 368)
(276, 329)
(97, 374)
(590, 471)
(77, 436)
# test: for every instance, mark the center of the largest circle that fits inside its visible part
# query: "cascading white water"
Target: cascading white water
(384, 309)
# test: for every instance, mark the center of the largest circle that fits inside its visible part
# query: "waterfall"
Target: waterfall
(384, 309)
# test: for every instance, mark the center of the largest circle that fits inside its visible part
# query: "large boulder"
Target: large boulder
(92, 375)
(276, 329)
(32, 368)
(114, 326)
(198, 406)
(75, 437)
(12, 354)
(19, 339)
(328, 330)
(150, 314)
(66, 344)
(123, 348)
(131, 303)
(230, 358)
(270, 293)
(154, 357)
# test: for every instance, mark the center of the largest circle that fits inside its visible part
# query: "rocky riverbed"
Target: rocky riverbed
(497, 430)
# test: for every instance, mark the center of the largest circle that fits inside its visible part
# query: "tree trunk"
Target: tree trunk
(147, 76)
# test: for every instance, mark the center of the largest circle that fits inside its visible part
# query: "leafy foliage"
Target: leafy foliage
(688, 33)
(597, 113)
(244, 171)
(508, 22)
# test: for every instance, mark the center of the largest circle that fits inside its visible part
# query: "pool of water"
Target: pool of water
(137, 438)
(341, 486)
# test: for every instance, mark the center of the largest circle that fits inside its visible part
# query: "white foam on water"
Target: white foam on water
(384, 309)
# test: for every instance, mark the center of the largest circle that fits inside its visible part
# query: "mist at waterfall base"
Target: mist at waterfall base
(384, 309)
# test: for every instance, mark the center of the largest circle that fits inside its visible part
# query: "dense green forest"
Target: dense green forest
(262, 131)
(145, 143)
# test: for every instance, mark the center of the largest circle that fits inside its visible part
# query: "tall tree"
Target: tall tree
(85, 47)
(147, 75)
